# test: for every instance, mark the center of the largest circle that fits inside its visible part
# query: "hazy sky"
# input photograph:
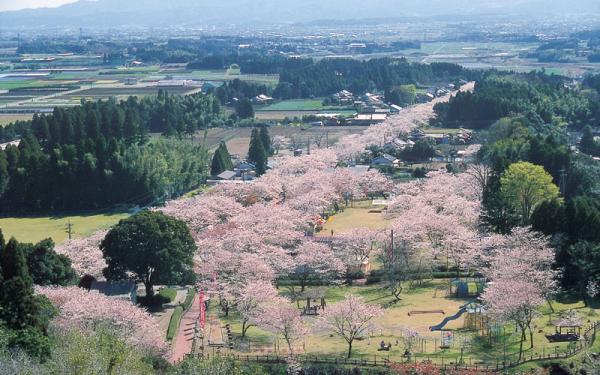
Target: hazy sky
(22, 4)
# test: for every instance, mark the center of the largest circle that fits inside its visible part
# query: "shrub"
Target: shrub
(189, 299)
(167, 294)
(174, 323)
(374, 277)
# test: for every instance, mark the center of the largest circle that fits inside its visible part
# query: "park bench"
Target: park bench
(312, 310)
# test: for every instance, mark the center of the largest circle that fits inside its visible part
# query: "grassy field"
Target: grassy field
(360, 214)
(34, 229)
(6, 119)
(99, 92)
(22, 83)
(475, 349)
(474, 48)
(224, 75)
(238, 139)
(281, 115)
(303, 105)
(299, 108)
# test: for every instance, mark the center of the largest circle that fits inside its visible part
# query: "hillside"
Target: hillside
(160, 13)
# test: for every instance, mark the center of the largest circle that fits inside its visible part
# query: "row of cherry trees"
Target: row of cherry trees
(250, 236)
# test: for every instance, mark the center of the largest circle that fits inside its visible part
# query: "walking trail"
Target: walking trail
(182, 344)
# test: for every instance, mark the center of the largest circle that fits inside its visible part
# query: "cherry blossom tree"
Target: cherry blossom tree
(87, 310)
(356, 246)
(315, 261)
(85, 254)
(203, 211)
(251, 300)
(514, 300)
(350, 319)
(410, 338)
(226, 274)
(396, 258)
(279, 142)
(283, 319)
(519, 267)
(480, 177)
(523, 254)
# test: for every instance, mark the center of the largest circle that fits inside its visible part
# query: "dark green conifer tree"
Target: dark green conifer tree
(266, 140)
(19, 307)
(257, 154)
(221, 161)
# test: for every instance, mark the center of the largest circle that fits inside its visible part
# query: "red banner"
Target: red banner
(202, 316)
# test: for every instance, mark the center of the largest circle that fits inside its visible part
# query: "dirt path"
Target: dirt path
(182, 344)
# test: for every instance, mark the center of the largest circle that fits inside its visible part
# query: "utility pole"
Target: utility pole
(563, 181)
(69, 229)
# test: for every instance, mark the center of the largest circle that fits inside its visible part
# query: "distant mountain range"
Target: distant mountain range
(111, 13)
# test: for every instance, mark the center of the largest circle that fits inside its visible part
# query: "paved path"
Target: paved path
(182, 343)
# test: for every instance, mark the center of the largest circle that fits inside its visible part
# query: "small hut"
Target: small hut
(567, 328)
(315, 301)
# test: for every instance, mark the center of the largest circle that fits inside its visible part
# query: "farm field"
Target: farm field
(303, 105)
(6, 119)
(123, 91)
(237, 139)
(281, 115)
(475, 48)
(299, 108)
(34, 229)
(224, 75)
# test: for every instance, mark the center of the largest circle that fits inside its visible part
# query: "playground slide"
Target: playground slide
(441, 326)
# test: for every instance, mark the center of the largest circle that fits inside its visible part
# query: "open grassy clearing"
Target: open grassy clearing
(23, 83)
(281, 115)
(302, 105)
(474, 48)
(34, 229)
(127, 91)
(237, 139)
(224, 75)
(299, 108)
(359, 214)
(6, 119)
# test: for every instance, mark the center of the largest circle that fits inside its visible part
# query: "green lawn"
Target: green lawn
(359, 215)
(303, 105)
(22, 83)
(6, 119)
(223, 75)
(33, 229)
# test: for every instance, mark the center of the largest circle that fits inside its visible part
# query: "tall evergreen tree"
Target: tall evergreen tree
(588, 144)
(19, 307)
(221, 161)
(257, 154)
(244, 108)
(266, 140)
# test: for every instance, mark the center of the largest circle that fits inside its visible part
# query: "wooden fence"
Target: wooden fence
(511, 361)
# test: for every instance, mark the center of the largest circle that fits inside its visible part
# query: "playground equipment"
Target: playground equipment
(439, 327)
(466, 288)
